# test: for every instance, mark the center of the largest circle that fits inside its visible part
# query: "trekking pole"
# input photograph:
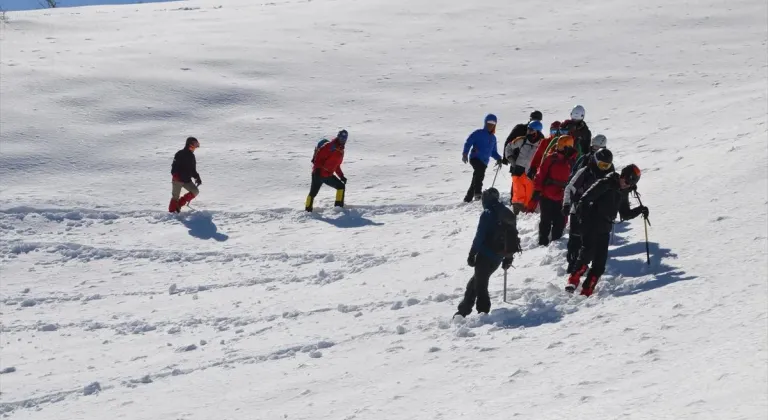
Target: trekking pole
(505, 285)
(494, 177)
(646, 223)
(647, 248)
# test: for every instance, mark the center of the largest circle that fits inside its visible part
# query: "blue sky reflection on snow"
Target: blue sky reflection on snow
(11, 5)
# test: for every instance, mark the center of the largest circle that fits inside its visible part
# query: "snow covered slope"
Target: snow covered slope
(15, 5)
(249, 308)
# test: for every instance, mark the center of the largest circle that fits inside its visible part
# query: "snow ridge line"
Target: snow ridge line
(73, 251)
(312, 349)
(258, 216)
(8, 407)
(225, 323)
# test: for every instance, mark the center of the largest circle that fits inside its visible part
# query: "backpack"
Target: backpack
(505, 240)
(581, 162)
(320, 144)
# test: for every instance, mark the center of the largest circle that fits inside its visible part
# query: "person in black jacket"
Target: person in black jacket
(599, 165)
(597, 210)
(183, 170)
(496, 241)
(577, 128)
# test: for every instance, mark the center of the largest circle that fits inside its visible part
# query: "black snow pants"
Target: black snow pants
(318, 181)
(574, 242)
(477, 287)
(476, 187)
(594, 250)
(552, 220)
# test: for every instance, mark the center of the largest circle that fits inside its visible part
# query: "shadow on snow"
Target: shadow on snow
(627, 274)
(346, 219)
(201, 226)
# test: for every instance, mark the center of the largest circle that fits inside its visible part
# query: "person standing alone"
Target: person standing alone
(326, 165)
(183, 170)
(478, 149)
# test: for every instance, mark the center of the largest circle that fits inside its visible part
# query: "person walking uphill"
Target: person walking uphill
(597, 210)
(549, 187)
(326, 164)
(522, 129)
(519, 154)
(496, 241)
(598, 167)
(183, 170)
(478, 149)
(577, 128)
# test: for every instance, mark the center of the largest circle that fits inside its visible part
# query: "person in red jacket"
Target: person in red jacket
(554, 131)
(326, 165)
(549, 189)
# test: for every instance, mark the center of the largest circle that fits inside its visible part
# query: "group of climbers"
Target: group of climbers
(567, 176)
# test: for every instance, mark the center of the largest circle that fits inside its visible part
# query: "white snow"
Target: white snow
(249, 308)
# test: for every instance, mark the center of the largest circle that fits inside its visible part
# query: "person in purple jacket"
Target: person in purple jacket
(478, 150)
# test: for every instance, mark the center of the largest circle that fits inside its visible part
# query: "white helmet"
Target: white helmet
(577, 113)
(599, 141)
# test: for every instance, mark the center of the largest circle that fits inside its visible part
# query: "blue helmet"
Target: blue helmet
(535, 125)
(342, 136)
(490, 119)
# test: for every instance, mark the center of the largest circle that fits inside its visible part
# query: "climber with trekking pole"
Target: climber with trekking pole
(478, 149)
(597, 210)
(495, 244)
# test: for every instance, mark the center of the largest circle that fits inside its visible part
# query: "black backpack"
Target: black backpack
(505, 240)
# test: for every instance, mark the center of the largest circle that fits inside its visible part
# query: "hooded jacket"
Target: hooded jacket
(328, 159)
(483, 145)
(496, 231)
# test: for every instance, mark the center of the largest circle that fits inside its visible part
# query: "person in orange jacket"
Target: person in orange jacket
(549, 189)
(326, 164)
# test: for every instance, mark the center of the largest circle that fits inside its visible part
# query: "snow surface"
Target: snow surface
(15, 5)
(249, 308)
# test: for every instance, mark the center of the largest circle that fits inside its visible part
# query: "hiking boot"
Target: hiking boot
(589, 285)
(575, 278)
(173, 206)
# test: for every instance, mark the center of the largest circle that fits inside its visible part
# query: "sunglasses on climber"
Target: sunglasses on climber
(603, 166)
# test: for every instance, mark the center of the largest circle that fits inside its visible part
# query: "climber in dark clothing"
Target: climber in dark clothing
(496, 241)
(597, 210)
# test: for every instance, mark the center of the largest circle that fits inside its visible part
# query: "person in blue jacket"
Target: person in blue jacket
(496, 241)
(478, 150)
